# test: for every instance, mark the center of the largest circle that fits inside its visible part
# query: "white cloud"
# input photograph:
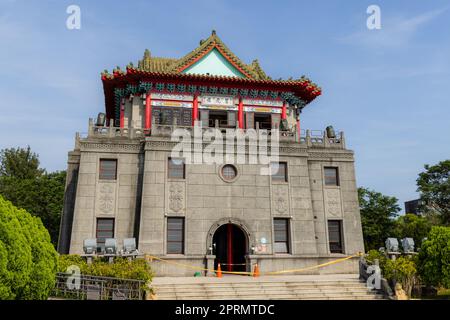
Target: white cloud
(395, 32)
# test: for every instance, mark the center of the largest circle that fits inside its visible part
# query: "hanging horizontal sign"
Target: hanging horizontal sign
(180, 104)
(262, 109)
(169, 96)
(216, 107)
(217, 100)
(263, 102)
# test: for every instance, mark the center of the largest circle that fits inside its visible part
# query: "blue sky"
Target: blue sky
(388, 89)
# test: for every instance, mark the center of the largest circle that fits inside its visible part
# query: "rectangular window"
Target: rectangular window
(263, 121)
(166, 116)
(250, 120)
(335, 236)
(156, 115)
(204, 117)
(279, 171)
(108, 169)
(281, 231)
(105, 230)
(276, 118)
(231, 119)
(176, 168)
(331, 176)
(169, 115)
(175, 235)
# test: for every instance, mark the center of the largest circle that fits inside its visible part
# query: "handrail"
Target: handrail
(312, 138)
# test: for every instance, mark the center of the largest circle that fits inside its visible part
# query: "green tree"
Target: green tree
(19, 163)
(434, 187)
(434, 258)
(28, 260)
(27, 186)
(377, 217)
(412, 226)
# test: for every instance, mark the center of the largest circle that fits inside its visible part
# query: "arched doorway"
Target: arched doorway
(230, 247)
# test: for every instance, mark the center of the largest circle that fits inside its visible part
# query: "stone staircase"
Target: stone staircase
(298, 287)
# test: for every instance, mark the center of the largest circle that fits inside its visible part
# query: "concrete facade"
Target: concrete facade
(142, 198)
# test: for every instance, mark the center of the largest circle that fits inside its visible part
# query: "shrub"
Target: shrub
(28, 260)
(434, 258)
(136, 269)
(402, 270)
(373, 255)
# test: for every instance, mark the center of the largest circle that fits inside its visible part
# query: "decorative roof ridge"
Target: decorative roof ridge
(118, 73)
(213, 41)
(303, 81)
(257, 68)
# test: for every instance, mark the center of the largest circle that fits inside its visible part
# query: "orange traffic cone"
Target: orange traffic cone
(219, 271)
(256, 271)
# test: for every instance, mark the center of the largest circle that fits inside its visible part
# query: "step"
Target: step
(212, 289)
(247, 293)
(265, 288)
(229, 294)
(368, 297)
(257, 285)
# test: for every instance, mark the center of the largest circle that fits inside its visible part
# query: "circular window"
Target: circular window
(229, 172)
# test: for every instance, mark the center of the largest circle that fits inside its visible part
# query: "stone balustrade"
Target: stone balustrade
(312, 138)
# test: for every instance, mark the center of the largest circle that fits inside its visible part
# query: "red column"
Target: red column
(122, 113)
(148, 111)
(230, 246)
(241, 114)
(298, 128)
(195, 109)
(283, 111)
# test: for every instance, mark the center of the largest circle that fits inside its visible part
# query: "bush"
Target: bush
(28, 260)
(434, 258)
(373, 255)
(402, 270)
(136, 269)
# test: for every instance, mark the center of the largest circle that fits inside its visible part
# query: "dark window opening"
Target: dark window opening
(105, 230)
(281, 232)
(279, 171)
(108, 169)
(176, 168)
(175, 235)
(264, 120)
(169, 115)
(225, 119)
(335, 236)
(331, 176)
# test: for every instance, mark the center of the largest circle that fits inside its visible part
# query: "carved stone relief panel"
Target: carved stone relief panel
(333, 207)
(280, 199)
(176, 197)
(106, 199)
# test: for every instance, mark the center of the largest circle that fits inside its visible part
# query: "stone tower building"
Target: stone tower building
(123, 180)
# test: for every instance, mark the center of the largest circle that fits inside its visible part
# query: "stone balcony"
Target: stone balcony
(307, 138)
